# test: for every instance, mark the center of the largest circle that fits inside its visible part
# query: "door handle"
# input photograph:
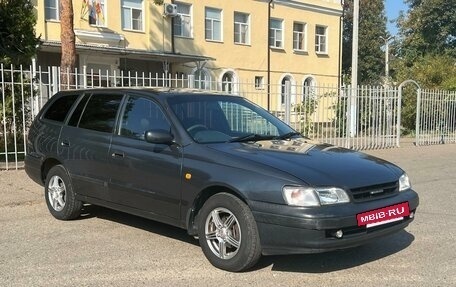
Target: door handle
(65, 143)
(118, 154)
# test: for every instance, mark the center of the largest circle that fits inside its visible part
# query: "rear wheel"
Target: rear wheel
(228, 234)
(59, 195)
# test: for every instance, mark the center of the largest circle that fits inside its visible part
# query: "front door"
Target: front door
(144, 176)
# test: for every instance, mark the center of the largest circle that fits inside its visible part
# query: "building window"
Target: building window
(132, 15)
(97, 13)
(321, 39)
(259, 82)
(276, 31)
(52, 9)
(201, 79)
(299, 36)
(308, 89)
(183, 22)
(284, 90)
(213, 24)
(228, 82)
(241, 28)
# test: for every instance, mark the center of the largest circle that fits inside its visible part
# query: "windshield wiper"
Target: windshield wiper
(251, 137)
(287, 136)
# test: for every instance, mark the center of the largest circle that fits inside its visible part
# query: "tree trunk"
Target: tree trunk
(68, 60)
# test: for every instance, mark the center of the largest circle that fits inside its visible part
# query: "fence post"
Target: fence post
(55, 81)
(287, 101)
(191, 81)
(417, 119)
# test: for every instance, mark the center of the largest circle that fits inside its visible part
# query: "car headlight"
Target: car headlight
(305, 196)
(404, 182)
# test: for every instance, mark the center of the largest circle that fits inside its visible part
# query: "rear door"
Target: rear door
(84, 143)
(145, 176)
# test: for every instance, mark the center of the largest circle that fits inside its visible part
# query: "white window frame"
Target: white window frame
(302, 34)
(56, 9)
(212, 21)
(130, 25)
(243, 28)
(184, 17)
(321, 40)
(98, 23)
(259, 82)
(274, 32)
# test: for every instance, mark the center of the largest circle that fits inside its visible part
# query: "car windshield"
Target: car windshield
(216, 118)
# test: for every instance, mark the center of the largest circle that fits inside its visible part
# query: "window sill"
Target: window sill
(215, 41)
(243, 44)
(184, 37)
(134, 31)
(300, 52)
(322, 53)
(53, 20)
(278, 49)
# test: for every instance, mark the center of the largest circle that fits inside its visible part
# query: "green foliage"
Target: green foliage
(17, 31)
(372, 25)
(428, 28)
(306, 109)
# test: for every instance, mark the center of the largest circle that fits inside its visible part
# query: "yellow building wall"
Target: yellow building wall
(246, 61)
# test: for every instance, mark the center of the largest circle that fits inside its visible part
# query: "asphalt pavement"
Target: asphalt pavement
(109, 248)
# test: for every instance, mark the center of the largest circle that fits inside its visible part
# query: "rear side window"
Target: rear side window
(100, 112)
(60, 108)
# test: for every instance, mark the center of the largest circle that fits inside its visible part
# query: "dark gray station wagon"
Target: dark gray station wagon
(226, 170)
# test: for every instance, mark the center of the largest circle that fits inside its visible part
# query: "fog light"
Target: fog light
(339, 233)
(412, 215)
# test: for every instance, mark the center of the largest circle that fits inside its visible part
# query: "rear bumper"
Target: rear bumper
(33, 168)
(293, 230)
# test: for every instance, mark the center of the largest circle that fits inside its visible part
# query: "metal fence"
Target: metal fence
(363, 118)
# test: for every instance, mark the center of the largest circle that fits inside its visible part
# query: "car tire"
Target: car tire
(59, 194)
(228, 233)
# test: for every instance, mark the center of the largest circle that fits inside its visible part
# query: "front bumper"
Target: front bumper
(292, 230)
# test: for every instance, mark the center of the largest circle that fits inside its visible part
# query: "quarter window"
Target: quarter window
(276, 33)
(213, 24)
(321, 36)
(132, 15)
(241, 28)
(183, 23)
(60, 108)
(52, 10)
(100, 113)
(142, 115)
(299, 37)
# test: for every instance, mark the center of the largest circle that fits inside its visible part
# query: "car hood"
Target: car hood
(316, 164)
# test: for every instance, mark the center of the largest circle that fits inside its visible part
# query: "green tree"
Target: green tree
(17, 31)
(372, 25)
(429, 27)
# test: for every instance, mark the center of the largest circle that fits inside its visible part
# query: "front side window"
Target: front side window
(276, 33)
(60, 108)
(241, 28)
(299, 37)
(132, 15)
(213, 118)
(52, 10)
(141, 115)
(100, 112)
(183, 22)
(213, 24)
(321, 39)
(97, 12)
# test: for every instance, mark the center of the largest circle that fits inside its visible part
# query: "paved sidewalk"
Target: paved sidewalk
(109, 248)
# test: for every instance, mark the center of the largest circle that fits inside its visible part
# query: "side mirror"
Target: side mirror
(159, 137)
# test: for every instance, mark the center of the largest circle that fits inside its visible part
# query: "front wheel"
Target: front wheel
(59, 194)
(228, 234)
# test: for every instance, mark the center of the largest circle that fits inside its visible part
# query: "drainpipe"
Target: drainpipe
(341, 21)
(269, 54)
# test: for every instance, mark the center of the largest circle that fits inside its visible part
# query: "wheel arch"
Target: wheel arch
(198, 202)
(46, 167)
